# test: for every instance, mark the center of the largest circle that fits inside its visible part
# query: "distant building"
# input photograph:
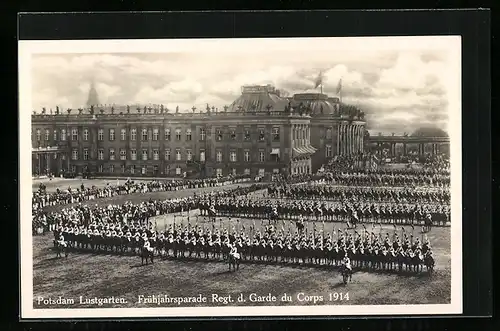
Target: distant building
(260, 132)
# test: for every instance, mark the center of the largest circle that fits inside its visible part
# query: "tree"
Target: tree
(69, 111)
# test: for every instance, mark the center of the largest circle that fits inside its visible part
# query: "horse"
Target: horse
(146, 254)
(429, 262)
(300, 225)
(234, 261)
(61, 247)
(346, 274)
(427, 227)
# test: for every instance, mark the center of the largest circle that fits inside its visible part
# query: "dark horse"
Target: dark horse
(346, 274)
(60, 249)
(146, 254)
(233, 260)
(300, 226)
(427, 227)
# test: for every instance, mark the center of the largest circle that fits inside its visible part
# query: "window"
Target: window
(178, 170)
(233, 134)
(178, 155)
(218, 133)
(144, 169)
(262, 172)
(63, 135)
(47, 135)
(156, 154)
(144, 134)
(203, 134)
(55, 135)
(188, 135)
(100, 154)
(233, 171)
(111, 134)
(73, 168)
(328, 133)
(218, 172)
(111, 168)
(122, 168)
(155, 169)
(167, 169)
(262, 156)
(144, 154)
(133, 134)
(247, 134)
(100, 135)
(167, 134)
(276, 134)
(38, 135)
(123, 154)
(262, 134)
(85, 135)
(112, 154)
(219, 156)
(178, 134)
(123, 134)
(100, 168)
(155, 134)
(202, 156)
(133, 154)
(132, 169)
(167, 154)
(246, 156)
(189, 155)
(74, 134)
(328, 151)
(246, 171)
(86, 154)
(232, 156)
(74, 155)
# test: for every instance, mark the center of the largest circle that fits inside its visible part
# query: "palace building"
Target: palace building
(260, 133)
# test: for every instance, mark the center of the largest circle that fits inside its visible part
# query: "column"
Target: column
(338, 140)
(358, 147)
(342, 144)
(404, 148)
(346, 133)
(349, 139)
(47, 165)
(39, 164)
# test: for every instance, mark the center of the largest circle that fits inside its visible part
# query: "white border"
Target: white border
(28, 48)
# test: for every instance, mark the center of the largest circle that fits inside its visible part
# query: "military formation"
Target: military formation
(41, 198)
(278, 223)
(367, 250)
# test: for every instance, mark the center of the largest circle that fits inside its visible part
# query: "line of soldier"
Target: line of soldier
(42, 198)
(365, 194)
(140, 212)
(366, 249)
(355, 211)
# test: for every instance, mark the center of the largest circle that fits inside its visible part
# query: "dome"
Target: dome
(429, 132)
(320, 104)
(258, 98)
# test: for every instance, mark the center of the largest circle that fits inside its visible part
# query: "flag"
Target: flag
(319, 80)
(339, 86)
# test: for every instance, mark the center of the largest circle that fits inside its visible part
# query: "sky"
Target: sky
(399, 90)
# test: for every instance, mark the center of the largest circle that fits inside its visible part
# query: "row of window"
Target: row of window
(178, 170)
(145, 134)
(156, 155)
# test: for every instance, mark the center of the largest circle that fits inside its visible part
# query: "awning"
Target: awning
(304, 151)
(275, 151)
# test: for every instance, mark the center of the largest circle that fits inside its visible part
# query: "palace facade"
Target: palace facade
(261, 132)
